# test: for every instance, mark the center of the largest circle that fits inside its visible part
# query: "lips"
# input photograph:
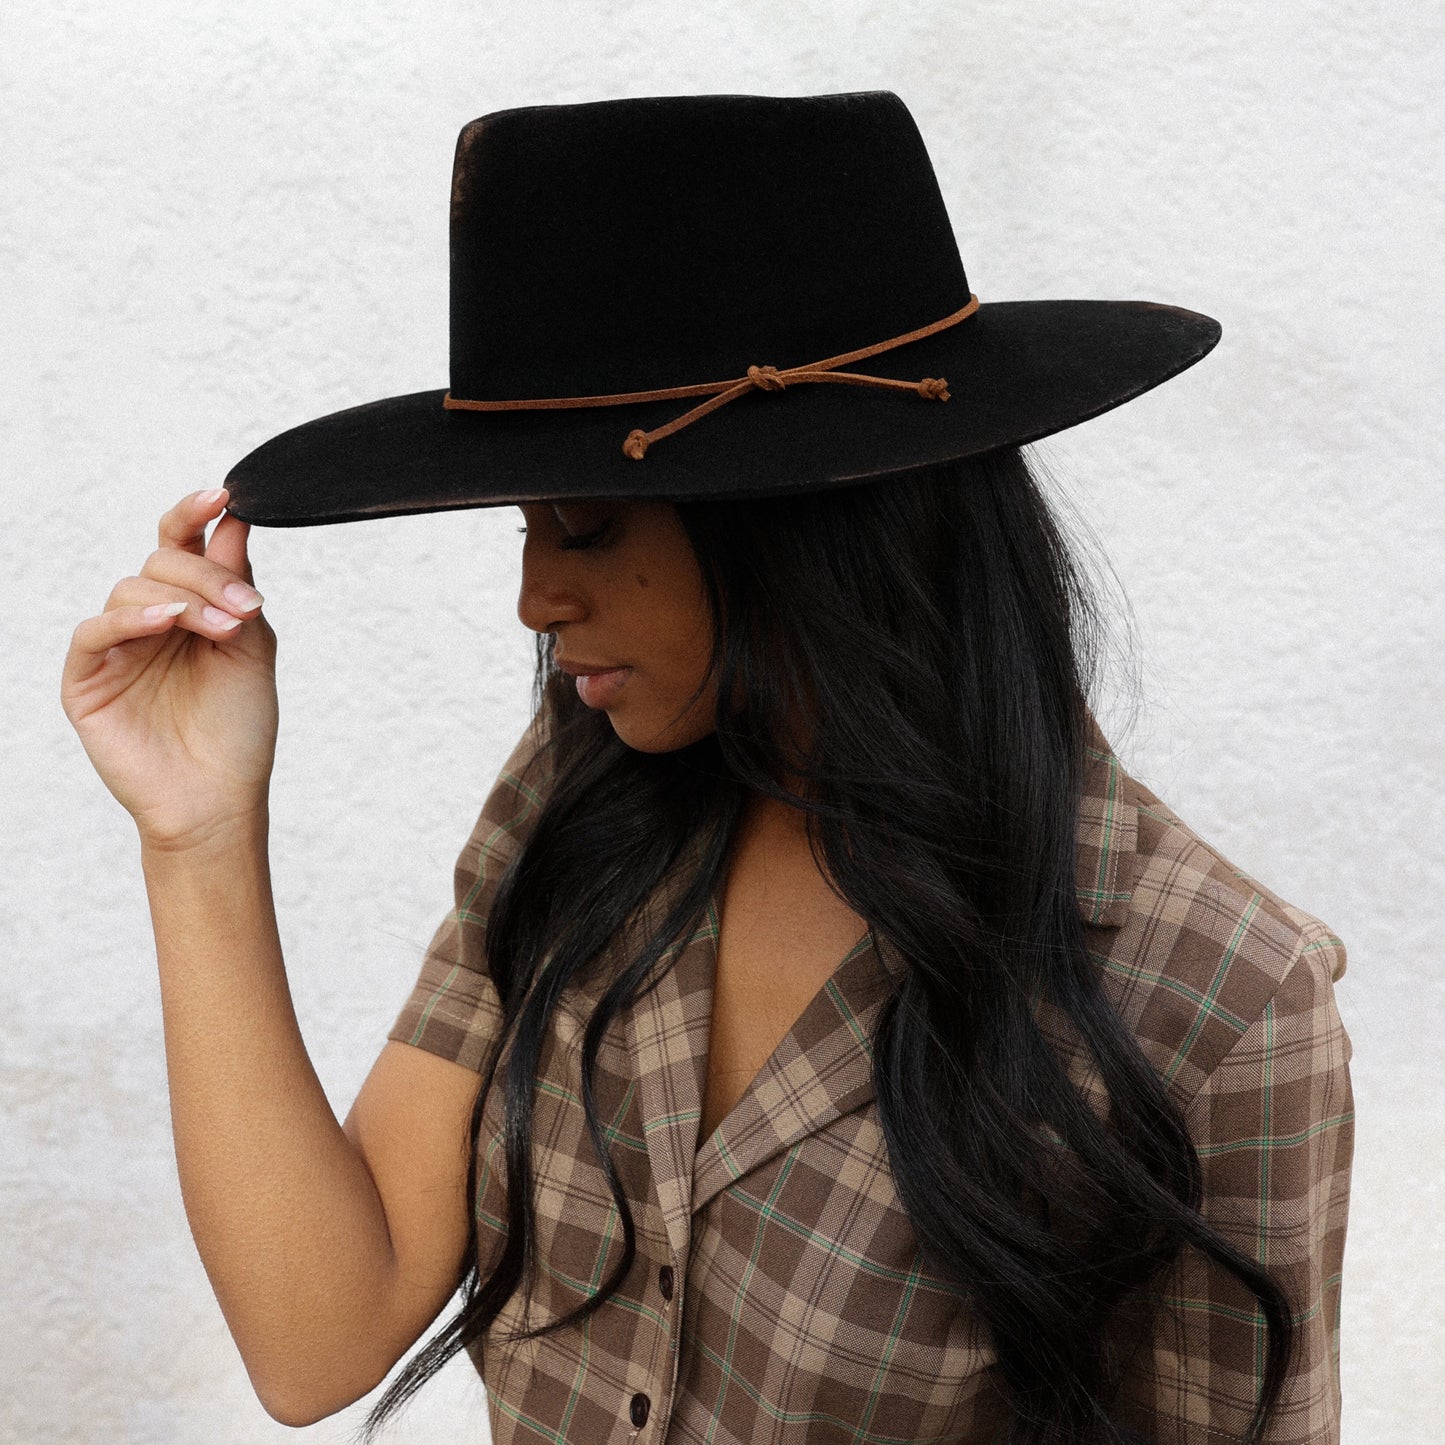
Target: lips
(596, 685)
(585, 669)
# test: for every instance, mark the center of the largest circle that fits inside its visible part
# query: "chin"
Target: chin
(667, 739)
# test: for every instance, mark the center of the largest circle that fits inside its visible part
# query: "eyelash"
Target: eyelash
(579, 543)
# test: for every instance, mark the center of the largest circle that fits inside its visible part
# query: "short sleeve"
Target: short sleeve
(454, 1010)
(1274, 1128)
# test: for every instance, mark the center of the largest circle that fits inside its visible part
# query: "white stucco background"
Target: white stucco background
(217, 221)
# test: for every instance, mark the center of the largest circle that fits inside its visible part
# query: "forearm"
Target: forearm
(284, 1211)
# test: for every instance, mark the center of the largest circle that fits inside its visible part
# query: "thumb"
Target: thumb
(227, 546)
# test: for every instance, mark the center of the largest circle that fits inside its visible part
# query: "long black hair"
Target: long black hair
(935, 637)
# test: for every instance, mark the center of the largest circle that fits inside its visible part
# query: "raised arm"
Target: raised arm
(330, 1249)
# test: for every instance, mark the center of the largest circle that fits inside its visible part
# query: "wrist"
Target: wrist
(220, 836)
(209, 890)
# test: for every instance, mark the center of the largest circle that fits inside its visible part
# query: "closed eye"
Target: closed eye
(571, 541)
(580, 541)
(578, 526)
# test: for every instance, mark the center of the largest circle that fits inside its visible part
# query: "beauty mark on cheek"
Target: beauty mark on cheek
(641, 580)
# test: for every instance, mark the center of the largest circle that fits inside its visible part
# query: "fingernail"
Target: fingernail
(239, 595)
(209, 499)
(162, 610)
(216, 618)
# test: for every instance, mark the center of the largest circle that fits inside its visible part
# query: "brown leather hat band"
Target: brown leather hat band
(757, 378)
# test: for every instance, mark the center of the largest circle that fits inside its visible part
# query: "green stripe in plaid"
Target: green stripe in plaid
(855, 1260)
(765, 1408)
(1135, 974)
(1215, 984)
(801, 1309)
(726, 1374)
(1265, 1142)
(1262, 1238)
(581, 1378)
(880, 1375)
(427, 1009)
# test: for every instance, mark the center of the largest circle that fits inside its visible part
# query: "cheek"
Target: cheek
(672, 616)
(697, 643)
(681, 638)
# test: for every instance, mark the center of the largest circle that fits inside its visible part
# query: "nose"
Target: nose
(548, 597)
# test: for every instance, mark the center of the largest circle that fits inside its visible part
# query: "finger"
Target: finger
(218, 585)
(184, 526)
(93, 639)
(228, 546)
(198, 615)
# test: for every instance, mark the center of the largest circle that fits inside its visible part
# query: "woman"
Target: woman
(830, 1041)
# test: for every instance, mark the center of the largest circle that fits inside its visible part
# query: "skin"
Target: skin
(632, 597)
(635, 597)
(330, 1246)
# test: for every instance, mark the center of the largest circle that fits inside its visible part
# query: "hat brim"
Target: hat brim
(1016, 371)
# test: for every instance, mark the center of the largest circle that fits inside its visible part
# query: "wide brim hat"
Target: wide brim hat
(709, 296)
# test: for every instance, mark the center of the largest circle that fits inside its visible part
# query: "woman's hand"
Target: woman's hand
(172, 688)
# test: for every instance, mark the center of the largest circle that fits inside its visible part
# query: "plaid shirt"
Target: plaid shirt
(778, 1293)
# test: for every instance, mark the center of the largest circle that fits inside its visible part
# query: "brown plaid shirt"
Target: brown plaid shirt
(778, 1293)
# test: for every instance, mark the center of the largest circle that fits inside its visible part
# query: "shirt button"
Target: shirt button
(664, 1281)
(640, 1406)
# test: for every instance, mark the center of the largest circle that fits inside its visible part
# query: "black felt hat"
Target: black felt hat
(737, 254)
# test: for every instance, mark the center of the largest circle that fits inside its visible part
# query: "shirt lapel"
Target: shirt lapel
(666, 1037)
(1108, 836)
(822, 1069)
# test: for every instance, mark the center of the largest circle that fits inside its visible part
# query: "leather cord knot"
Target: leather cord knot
(757, 378)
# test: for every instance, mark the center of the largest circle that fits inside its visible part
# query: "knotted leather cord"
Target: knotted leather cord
(757, 378)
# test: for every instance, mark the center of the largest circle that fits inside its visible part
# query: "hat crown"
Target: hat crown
(639, 244)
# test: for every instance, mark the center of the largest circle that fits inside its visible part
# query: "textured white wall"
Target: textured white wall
(221, 220)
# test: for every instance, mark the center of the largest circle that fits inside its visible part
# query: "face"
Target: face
(618, 584)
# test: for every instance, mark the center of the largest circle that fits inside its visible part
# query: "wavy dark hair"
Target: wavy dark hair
(936, 637)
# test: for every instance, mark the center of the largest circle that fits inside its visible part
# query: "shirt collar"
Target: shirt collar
(1108, 836)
